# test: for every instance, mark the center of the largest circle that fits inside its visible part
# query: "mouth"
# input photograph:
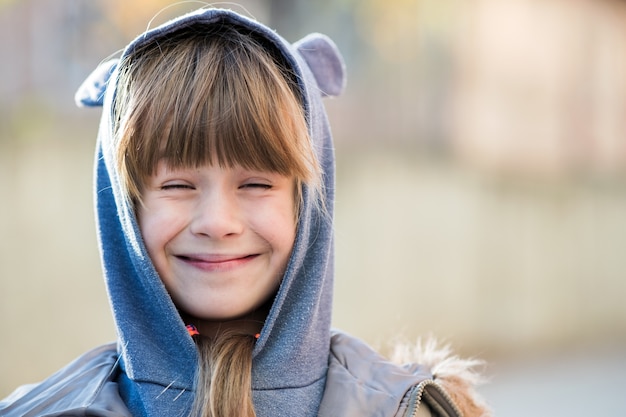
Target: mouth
(214, 262)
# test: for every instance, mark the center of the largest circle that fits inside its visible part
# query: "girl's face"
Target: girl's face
(220, 238)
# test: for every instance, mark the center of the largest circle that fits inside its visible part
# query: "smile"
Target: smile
(216, 263)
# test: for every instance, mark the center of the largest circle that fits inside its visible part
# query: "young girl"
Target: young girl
(214, 195)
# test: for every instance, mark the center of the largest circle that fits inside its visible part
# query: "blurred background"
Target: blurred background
(481, 150)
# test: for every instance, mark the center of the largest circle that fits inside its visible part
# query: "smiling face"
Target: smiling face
(213, 151)
(220, 238)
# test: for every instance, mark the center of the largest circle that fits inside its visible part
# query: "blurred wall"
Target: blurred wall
(481, 172)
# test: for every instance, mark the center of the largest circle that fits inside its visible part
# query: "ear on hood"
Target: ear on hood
(91, 91)
(325, 61)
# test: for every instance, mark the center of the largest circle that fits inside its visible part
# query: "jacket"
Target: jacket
(359, 383)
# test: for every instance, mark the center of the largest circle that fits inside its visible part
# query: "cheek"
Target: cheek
(285, 241)
(283, 233)
(156, 227)
(149, 231)
(276, 224)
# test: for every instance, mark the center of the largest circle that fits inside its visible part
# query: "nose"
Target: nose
(217, 215)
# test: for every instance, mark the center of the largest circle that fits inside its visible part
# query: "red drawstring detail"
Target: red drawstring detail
(193, 331)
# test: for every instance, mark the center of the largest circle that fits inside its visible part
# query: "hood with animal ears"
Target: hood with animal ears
(157, 356)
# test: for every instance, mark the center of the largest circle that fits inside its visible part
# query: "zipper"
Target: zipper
(415, 398)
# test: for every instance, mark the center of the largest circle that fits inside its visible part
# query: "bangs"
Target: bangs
(210, 98)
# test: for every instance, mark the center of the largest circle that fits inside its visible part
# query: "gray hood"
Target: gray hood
(157, 355)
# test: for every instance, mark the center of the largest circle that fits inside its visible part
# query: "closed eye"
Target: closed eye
(177, 187)
(260, 186)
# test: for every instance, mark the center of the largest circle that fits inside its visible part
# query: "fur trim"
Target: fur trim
(459, 377)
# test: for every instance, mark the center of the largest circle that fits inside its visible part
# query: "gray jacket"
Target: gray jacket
(359, 383)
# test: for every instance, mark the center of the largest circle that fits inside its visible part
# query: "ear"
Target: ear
(325, 61)
(91, 91)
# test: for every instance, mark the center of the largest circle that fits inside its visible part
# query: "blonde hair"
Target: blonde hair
(224, 379)
(205, 95)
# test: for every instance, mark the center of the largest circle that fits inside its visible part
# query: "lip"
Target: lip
(216, 262)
